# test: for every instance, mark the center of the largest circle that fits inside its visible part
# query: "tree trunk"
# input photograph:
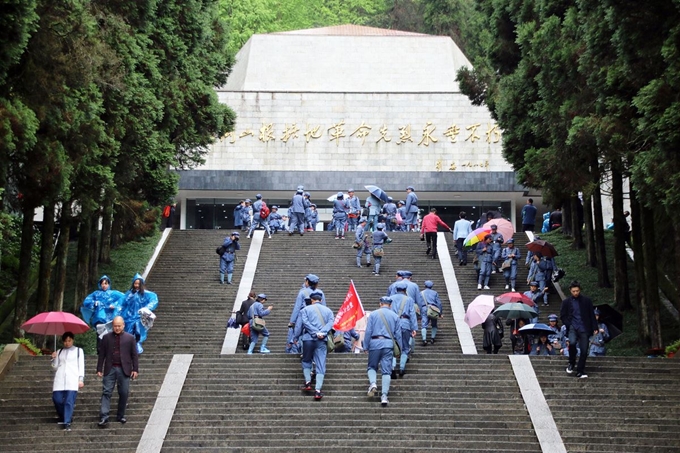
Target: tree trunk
(651, 277)
(676, 278)
(591, 257)
(600, 245)
(94, 252)
(116, 227)
(23, 281)
(621, 286)
(575, 222)
(107, 219)
(62, 257)
(567, 216)
(83, 263)
(46, 254)
(639, 257)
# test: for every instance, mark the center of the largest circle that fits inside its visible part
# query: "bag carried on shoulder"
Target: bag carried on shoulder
(220, 250)
(330, 341)
(339, 340)
(506, 264)
(396, 350)
(258, 324)
(378, 251)
(356, 245)
(264, 211)
(433, 311)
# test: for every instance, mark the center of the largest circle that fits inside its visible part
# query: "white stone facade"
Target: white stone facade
(268, 148)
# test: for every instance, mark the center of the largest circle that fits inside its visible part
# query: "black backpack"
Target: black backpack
(220, 250)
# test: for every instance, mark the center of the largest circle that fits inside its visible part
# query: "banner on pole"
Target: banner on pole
(351, 310)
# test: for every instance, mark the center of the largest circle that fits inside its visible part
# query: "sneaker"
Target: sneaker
(270, 236)
(486, 287)
(514, 290)
(376, 274)
(432, 341)
(581, 375)
(306, 387)
(570, 369)
(337, 237)
(264, 351)
(67, 427)
(372, 390)
(424, 342)
(247, 237)
(507, 286)
(104, 422)
(384, 401)
(122, 420)
(402, 373)
(493, 272)
(318, 395)
(343, 238)
(394, 374)
(479, 286)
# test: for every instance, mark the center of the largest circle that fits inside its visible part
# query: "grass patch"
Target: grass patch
(573, 262)
(127, 260)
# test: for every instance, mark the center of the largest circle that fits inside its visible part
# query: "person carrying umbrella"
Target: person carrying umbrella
(374, 207)
(493, 334)
(69, 364)
(578, 316)
(411, 208)
(538, 272)
(496, 242)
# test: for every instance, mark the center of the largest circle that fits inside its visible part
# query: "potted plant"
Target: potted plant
(672, 348)
(28, 346)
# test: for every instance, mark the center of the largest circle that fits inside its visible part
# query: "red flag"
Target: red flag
(351, 310)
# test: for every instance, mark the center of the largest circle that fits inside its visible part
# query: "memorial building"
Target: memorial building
(347, 106)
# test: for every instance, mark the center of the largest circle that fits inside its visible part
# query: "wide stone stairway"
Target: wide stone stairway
(447, 401)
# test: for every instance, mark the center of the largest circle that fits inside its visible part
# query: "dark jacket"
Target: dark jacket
(587, 313)
(128, 353)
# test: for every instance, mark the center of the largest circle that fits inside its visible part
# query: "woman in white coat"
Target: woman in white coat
(69, 364)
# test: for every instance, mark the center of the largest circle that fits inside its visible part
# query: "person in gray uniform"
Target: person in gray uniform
(484, 253)
(297, 213)
(381, 327)
(404, 307)
(363, 239)
(257, 220)
(374, 207)
(354, 212)
(510, 254)
(430, 297)
(411, 209)
(314, 324)
(379, 238)
(340, 208)
(496, 243)
(390, 211)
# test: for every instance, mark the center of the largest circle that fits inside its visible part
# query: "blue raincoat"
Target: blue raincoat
(135, 301)
(102, 306)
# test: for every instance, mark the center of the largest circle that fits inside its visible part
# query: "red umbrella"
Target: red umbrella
(55, 323)
(511, 298)
(545, 248)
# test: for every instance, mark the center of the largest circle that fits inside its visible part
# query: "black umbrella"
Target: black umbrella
(612, 318)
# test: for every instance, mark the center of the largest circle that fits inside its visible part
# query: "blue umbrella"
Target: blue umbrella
(377, 192)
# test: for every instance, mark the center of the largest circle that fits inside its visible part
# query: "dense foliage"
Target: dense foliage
(98, 100)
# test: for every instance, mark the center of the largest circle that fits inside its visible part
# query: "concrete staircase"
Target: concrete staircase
(447, 401)
(28, 420)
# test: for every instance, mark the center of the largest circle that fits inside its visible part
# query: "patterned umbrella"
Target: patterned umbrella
(476, 236)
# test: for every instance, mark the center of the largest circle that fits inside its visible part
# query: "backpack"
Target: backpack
(264, 211)
(166, 211)
(220, 250)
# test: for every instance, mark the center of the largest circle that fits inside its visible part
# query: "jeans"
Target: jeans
(64, 402)
(580, 339)
(115, 376)
(462, 253)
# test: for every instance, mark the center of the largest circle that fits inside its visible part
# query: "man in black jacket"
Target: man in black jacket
(578, 316)
(117, 363)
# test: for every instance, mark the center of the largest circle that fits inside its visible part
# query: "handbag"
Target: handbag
(378, 252)
(330, 341)
(433, 311)
(396, 350)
